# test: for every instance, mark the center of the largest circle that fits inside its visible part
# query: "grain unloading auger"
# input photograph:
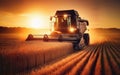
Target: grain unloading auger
(66, 26)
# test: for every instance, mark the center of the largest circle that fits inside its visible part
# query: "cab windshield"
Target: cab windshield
(62, 22)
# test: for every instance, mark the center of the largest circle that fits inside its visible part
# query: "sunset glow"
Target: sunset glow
(99, 13)
(35, 22)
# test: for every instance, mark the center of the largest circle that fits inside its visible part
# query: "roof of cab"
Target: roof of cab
(69, 12)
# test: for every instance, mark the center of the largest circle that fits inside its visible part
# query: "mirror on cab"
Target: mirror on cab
(86, 21)
(50, 18)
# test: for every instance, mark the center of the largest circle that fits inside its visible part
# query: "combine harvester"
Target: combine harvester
(66, 26)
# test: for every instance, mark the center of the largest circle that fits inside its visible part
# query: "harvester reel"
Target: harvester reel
(30, 37)
(45, 38)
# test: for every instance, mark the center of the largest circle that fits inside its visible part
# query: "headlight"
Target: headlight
(65, 15)
(72, 29)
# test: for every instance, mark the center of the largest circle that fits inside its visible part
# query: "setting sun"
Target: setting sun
(35, 22)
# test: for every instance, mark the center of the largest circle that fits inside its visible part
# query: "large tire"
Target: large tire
(60, 38)
(76, 47)
(86, 39)
(76, 44)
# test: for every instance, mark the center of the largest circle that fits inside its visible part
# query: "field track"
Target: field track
(97, 59)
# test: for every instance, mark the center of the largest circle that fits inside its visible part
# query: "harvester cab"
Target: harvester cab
(66, 25)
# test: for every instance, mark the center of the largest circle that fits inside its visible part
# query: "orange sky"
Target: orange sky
(21, 13)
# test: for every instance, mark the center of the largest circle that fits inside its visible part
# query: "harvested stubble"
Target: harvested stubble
(97, 59)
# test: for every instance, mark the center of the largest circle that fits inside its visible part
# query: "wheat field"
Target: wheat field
(18, 55)
(101, 57)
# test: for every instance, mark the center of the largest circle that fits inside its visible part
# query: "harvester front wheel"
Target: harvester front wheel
(60, 38)
(86, 39)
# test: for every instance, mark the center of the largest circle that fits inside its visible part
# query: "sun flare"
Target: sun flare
(36, 22)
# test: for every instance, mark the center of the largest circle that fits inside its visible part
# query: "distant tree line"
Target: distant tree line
(13, 29)
(110, 30)
(23, 29)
